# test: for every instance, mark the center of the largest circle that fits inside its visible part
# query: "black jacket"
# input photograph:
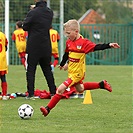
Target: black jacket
(38, 23)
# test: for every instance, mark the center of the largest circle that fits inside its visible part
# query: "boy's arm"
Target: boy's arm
(6, 44)
(64, 59)
(106, 46)
(13, 37)
(58, 37)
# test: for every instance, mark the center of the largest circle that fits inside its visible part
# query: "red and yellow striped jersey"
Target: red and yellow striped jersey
(54, 36)
(19, 36)
(3, 60)
(77, 50)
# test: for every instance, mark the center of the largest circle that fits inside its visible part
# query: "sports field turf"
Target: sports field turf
(109, 112)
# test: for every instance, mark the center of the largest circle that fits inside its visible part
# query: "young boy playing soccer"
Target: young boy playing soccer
(19, 36)
(76, 94)
(3, 65)
(76, 49)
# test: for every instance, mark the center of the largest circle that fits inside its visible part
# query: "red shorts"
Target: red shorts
(3, 72)
(69, 82)
(55, 55)
(22, 54)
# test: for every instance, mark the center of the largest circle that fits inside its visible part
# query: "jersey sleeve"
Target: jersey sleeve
(102, 46)
(6, 43)
(26, 34)
(58, 36)
(89, 46)
(67, 43)
(13, 37)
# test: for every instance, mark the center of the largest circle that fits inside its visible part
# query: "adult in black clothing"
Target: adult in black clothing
(38, 50)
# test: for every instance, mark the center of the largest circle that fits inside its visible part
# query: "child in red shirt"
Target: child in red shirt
(76, 49)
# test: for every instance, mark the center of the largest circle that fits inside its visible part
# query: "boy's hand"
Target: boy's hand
(114, 45)
(60, 67)
(65, 67)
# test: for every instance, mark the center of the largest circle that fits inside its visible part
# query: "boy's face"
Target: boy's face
(71, 34)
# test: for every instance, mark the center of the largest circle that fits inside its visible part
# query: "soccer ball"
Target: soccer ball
(25, 111)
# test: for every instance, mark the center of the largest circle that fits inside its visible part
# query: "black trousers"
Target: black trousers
(31, 64)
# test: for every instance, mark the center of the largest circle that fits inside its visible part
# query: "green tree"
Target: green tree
(116, 12)
(72, 8)
(19, 9)
(76, 8)
(91, 4)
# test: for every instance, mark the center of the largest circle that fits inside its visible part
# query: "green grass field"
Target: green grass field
(109, 112)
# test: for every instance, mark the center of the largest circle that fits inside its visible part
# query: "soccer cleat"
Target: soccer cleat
(30, 98)
(20, 94)
(5, 97)
(74, 96)
(105, 85)
(44, 111)
(52, 68)
(80, 95)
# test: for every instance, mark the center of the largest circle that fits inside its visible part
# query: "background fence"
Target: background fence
(121, 33)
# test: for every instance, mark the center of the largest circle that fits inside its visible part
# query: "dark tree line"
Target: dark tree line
(116, 11)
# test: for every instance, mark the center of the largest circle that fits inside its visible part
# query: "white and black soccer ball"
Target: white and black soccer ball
(25, 111)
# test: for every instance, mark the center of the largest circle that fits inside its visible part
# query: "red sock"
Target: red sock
(4, 88)
(91, 85)
(72, 88)
(23, 61)
(55, 99)
(55, 63)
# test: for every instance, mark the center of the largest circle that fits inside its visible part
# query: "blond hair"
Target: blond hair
(73, 24)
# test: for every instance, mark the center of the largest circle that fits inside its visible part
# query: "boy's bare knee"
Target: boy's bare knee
(81, 90)
(60, 92)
